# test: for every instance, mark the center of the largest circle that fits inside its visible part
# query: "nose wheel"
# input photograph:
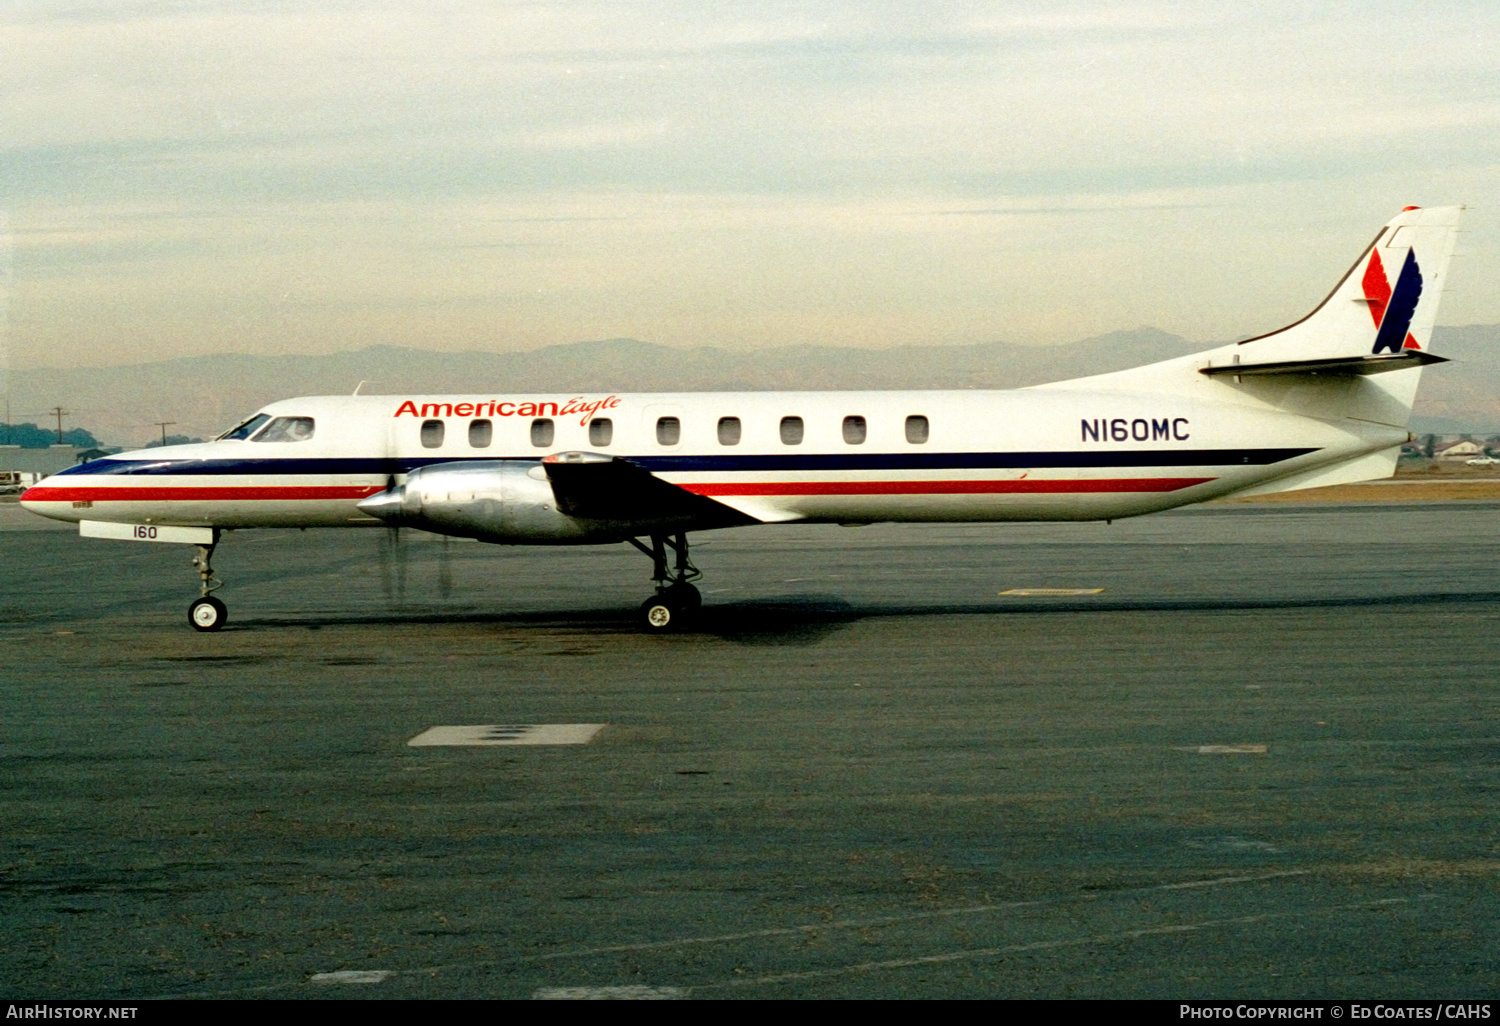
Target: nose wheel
(676, 602)
(207, 613)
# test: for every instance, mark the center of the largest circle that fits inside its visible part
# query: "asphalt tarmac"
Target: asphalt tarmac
(1262, 761)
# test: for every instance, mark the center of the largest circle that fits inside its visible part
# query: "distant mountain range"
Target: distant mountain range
(203, 395)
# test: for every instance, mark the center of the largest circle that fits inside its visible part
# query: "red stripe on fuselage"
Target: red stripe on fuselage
(1025, 487)
(154, 494)
(355, 492)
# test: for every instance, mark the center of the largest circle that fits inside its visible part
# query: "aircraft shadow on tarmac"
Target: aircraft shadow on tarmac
(809, 619)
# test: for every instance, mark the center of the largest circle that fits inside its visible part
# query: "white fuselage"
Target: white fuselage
(1079, 451)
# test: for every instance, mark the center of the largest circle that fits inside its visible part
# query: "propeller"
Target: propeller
(392, 553)
(393, 566)
(387, 506)
(445, 570)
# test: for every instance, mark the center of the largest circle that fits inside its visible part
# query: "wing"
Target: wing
(593, 486)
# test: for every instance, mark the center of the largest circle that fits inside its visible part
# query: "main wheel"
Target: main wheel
(659, 614)
(207, 614)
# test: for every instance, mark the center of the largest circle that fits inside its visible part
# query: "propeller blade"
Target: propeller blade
(393, 566)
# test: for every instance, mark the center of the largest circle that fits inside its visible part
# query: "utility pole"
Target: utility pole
(59, 412)
(163, 424)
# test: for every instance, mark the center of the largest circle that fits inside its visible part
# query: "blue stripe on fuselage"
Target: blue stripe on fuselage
(336, 466)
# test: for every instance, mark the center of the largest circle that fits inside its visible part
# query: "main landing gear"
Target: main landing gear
(207, 613)
(676, 602)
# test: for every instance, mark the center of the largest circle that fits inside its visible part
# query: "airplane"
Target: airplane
(1322, 401)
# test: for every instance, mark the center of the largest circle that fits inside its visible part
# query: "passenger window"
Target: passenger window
(287, 429)
(854, 430)
(542, 430)
(916, 430)
(601, 431)
(668, 430)
(791, 430)
(432, 434)
(729, 431)
(480, 433)
(245, 429)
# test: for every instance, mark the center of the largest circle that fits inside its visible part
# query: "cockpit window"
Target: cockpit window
(286, 429)
(245, 428)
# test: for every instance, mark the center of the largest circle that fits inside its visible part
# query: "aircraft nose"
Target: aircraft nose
(36, 499)
(384, 505)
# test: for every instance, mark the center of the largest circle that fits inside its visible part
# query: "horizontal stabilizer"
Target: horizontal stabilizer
(1330, 365)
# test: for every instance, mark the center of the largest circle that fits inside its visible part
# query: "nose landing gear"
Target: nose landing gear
(676, 602)
(207, 613)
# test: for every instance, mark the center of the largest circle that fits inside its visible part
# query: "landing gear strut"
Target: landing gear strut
(676, 601)
(207, 613)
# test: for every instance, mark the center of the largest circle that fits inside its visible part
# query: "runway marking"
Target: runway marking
(1229, 880)
(859, 924)
(1225, 749)
(634, 993)
(492, 734)
(847, 924)
(353, 976)
(1234, 844)
(1009, 949)
(1051, 592)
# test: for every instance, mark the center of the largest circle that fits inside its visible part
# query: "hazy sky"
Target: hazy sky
(182, 178)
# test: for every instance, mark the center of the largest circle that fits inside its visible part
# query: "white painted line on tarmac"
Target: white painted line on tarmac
(1106, 938)
(1219, 880)
(1051, 592)
(634, 993)
(804, 930)
(909, 917)
(377, 975)
(1225, 749)
(1234, 844)
(353, 976)
(490, 734)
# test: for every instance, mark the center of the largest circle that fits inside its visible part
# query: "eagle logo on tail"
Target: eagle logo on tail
(1391, 308)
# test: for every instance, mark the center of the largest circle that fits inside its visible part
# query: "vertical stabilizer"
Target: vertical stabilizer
(1359, 355)
(1386, 304)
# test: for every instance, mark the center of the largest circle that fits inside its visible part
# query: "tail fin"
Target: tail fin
(1379, 318)
(1332, 363)
(1385, 306)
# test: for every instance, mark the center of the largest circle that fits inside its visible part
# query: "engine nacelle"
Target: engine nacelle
(505, 501)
